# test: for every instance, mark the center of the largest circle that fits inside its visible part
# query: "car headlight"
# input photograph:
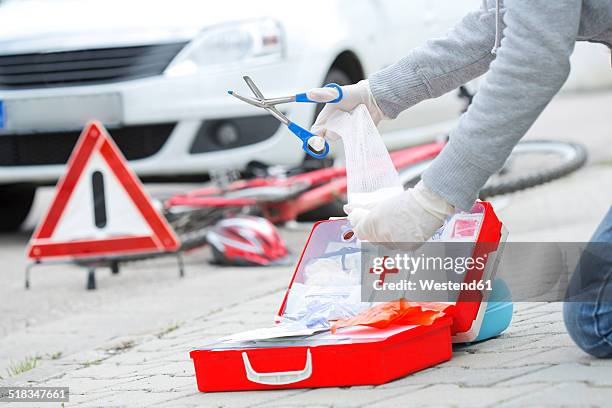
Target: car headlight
(248, 41)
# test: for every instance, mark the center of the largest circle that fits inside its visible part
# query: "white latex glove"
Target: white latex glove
(353, 95)
(409, 218)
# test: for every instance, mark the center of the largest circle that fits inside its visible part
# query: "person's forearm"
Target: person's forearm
(439, 66)
(531, 66)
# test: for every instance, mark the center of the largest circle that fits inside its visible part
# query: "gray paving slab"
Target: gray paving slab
(452, 395)
(566, 394)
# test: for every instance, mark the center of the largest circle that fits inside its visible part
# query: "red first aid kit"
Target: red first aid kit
(357, 355)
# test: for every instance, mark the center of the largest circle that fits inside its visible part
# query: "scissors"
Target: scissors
(312, 144)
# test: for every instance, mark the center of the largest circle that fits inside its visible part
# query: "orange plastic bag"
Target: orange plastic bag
(396, 312)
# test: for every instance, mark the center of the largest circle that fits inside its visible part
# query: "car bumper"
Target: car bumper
(190, 105)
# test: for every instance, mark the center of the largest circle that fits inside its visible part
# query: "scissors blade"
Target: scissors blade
(253, 87)
(279, 101)
(250, 101)
(277, 114)
(262, 102)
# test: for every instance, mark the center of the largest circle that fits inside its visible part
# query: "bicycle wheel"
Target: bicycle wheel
(192, 224)
(533, 163)
(530, 164)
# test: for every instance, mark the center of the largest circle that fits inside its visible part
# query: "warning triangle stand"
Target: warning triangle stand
(100, 212)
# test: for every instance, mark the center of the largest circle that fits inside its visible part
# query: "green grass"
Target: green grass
(121, 347)
(56, 356)
(607, 162)
(92, 363)
(169, 329)
(23, 366)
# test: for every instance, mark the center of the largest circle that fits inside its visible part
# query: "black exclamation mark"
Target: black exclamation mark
(99, 200)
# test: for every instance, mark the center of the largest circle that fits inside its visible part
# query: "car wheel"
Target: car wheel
(15, 204)
(333, 208)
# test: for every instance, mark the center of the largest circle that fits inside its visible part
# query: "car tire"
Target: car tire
(15, 203)
(333, 208)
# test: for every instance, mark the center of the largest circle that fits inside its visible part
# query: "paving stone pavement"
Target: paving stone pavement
(128, 344)
(514, 369)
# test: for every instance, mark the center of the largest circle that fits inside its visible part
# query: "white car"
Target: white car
(156, 74)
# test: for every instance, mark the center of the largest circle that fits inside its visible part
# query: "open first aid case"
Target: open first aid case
(357, 355)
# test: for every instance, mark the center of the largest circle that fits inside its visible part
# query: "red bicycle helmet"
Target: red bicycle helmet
(246, 240)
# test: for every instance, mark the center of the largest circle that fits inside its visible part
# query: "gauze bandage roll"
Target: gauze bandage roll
(371, 176)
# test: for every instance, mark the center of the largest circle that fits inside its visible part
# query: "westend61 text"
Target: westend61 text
(432, 285)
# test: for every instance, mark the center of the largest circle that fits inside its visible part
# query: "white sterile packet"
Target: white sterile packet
(371, 176)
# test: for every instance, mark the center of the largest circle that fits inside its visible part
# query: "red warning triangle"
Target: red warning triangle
(100, 207)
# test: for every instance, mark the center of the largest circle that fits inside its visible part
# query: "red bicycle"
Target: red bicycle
(282, 195)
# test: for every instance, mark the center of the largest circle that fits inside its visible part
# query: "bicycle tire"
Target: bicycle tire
(574, 156)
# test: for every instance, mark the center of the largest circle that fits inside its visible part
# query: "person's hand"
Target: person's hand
(353, 95)
(410, 218)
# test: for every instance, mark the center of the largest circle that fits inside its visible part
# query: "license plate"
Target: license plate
(1, 115)
(61, 113)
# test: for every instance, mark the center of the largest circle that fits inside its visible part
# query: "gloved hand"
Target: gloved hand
(353, 95)
(408, 218)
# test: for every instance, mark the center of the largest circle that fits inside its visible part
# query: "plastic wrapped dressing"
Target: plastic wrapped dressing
(330, 290)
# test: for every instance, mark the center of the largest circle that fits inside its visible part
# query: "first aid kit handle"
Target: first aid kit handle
(278, 378)
(303, 97)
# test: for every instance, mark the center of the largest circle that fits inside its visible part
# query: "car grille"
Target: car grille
(136, 142)
(84, 67)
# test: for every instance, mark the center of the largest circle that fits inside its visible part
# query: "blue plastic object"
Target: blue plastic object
(303, 97)
(498, 315)
(304, 135)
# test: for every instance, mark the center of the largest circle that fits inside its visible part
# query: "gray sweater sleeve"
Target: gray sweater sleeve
(440, 66)
(532, 64)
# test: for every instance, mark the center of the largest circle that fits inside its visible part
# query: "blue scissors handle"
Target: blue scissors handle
(305, 135)
(303, 97)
